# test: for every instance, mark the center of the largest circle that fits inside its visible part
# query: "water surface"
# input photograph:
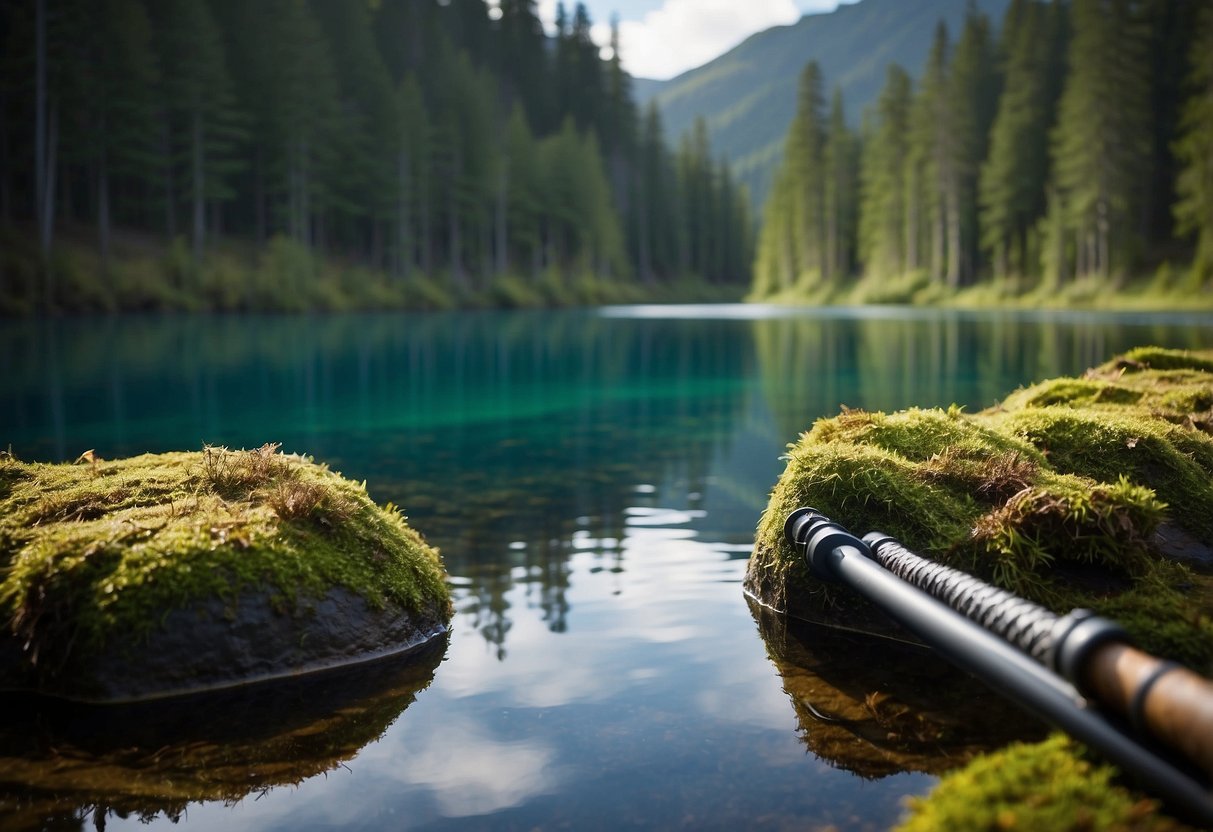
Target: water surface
(593, 479)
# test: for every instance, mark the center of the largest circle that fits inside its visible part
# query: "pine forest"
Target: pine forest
(1064, 154)
(330, 154)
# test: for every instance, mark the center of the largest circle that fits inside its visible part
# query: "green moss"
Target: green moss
(105, 547)
(1157, 358)
(1056, 494)
(1046, 785)
(1105, 445)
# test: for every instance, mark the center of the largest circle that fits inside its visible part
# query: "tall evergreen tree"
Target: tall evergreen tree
(884, 186)
(525, 61)
(199, 108)
(934, 183)
(841, 192)
(123, 105)
(974, 93)
(1101, 145)
(1194, 151)
(1013, 178)
(360, 200)
(413, 208)
(804, 162)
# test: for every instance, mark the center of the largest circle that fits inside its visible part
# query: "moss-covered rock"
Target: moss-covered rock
(1046, 785)
(170, 573)
(1093, 492)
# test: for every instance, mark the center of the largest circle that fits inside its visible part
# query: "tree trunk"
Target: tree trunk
(170, 198)
(404, 247)
(47, 220)
(199, 190)
(6, 194)
(103, 204)
(427, 236)
(305, 196)
(643, 257)
(503, 257)
(1102, 225)
(954, 253)
(455, 254)
(41, 192)
(939, 232)
(259, 196)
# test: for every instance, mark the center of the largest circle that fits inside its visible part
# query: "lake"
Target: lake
(593, 479)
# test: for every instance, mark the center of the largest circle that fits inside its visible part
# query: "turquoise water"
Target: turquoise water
(593, 479)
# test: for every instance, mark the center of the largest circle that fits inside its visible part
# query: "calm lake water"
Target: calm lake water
(593, 479)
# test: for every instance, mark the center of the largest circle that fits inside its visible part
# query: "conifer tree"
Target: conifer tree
(804, 163)
(1100, 147)
(525, 61)
(1012, 185)
(934, 184)
(974, 94)
(199, 107)
(1194, 151)
(525, 194)
(412, 208)
(123, 105)
(361, 200)
(884, 188)
(841, 192)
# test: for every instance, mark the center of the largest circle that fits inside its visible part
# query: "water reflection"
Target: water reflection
(884, 363)
(74, 763)
(877, 707)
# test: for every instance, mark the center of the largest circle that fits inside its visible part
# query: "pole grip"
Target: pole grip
(1167, 701)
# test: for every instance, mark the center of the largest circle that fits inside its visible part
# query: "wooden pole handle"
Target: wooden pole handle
(1169, 702)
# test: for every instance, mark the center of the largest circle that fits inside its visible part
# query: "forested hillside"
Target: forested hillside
(748, 95)
(331, 153)
(1068, 153)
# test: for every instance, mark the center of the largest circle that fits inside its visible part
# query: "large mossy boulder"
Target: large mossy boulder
(181, 572)
(1077, 492)
(1094, 492)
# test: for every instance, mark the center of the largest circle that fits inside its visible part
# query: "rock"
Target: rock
(175, 573)
(1092, 492)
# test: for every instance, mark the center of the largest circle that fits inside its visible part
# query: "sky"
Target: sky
(662, 38)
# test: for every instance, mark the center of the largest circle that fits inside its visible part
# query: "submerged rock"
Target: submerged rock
(1091, 492)
(175, 573)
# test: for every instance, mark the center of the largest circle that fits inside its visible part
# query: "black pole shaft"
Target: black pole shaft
(836, 555)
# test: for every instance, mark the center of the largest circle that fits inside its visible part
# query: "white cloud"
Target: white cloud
(683, 34)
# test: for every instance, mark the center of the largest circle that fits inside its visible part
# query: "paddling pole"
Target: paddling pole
(1159, 698)
(834, 554)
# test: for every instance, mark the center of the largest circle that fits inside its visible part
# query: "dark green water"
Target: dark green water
(593, 479)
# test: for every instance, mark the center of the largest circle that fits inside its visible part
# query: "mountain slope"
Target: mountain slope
(748, 95)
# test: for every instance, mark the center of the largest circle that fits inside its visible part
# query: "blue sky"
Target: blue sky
(662, 38)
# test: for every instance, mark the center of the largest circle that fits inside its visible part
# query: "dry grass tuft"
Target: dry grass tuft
(230, 472)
